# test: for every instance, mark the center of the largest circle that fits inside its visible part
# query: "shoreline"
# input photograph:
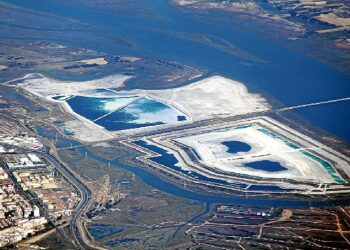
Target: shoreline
(217, 97)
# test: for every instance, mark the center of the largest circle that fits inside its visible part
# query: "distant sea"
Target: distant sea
(280, 74)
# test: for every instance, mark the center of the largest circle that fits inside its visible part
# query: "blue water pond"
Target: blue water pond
(99, 231)
(93, 108)
(269, 166)
(120, 113)
(234, 147)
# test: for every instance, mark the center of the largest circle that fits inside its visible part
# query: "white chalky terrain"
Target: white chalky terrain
(43, 86)
(212, 97)
(209, 98)
(299, 162)
(263, 147)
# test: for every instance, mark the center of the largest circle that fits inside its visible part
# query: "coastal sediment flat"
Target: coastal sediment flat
(212, 97)
(43, 86)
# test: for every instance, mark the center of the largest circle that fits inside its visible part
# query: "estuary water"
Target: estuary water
(263, 65)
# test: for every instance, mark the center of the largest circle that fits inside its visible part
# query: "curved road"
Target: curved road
(85, 195)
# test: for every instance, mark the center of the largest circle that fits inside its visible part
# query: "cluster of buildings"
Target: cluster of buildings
(20, 161)
(53, 193)
(29, 179)
(9, 128)
(3, 174)
(19, 217)
(257, 211)
(31, 191)
(22, 140)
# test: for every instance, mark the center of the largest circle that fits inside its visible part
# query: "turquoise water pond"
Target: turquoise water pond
(120, 113)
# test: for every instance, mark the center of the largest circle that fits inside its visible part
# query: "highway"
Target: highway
(84, 191)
